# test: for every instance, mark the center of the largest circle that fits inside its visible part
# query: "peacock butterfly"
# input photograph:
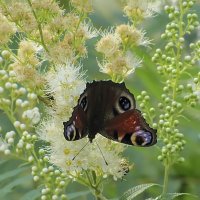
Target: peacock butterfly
(109, 108)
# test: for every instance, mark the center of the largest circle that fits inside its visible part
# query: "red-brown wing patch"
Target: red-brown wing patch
(125, 122)
(128, 127)
(79, 119)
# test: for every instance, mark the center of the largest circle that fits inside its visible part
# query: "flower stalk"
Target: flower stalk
(39, 26)
(165, 180)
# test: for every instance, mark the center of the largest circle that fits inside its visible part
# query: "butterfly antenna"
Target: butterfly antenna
(102, 153)
(80, 150)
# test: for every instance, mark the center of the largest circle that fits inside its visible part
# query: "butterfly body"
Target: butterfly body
(108, 108)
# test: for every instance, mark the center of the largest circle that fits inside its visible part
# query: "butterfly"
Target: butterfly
(109, 109)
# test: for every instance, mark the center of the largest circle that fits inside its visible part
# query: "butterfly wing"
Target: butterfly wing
(130, 128)
(75, 128)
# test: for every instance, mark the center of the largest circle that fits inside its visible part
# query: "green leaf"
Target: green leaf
(77, 194)
(11, 173)
(3, 161)
(171, 196)
(33, 194)
(135, 191)
(8, 188)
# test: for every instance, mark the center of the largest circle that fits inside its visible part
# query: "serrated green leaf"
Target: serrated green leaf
(8, 188)
(11, 173)
(33, 194)
(77, 194)
(171, 196)
(135, 191)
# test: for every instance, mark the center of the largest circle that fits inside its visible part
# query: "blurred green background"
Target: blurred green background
(184, 177)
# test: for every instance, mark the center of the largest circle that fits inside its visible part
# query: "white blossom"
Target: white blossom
(145, 8)
(65, 84)
(3, 145)
(90, 158)
(33, 115)
(89, 30)
(132, 62)
(108, 44)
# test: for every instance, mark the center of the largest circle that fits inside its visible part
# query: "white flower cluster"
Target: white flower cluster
(89, 30)
(6, 142)
(7, 29)
(4, 147)
(115, 45)
(33, 115)
(66, 85)
(145, 8)
(90, 158)
(22, 104)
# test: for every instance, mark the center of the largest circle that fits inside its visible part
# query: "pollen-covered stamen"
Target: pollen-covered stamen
(125, 167)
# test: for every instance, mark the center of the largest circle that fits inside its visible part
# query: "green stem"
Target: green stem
(95, 187)
(18, 157)
(39, 26)
(100, 197)
(166, 178)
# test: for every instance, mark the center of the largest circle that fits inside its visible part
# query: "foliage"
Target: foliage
(43, 48)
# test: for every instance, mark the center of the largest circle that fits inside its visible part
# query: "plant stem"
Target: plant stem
(39, 26)
(100, 197)
(95, 187)
(165, 182)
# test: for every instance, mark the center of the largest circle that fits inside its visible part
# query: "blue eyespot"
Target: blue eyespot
(70, 132)
(83, 103)
(141, 138)
(124, 103)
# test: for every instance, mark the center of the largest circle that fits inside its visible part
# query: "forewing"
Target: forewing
(76, 127)
(130, 128)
